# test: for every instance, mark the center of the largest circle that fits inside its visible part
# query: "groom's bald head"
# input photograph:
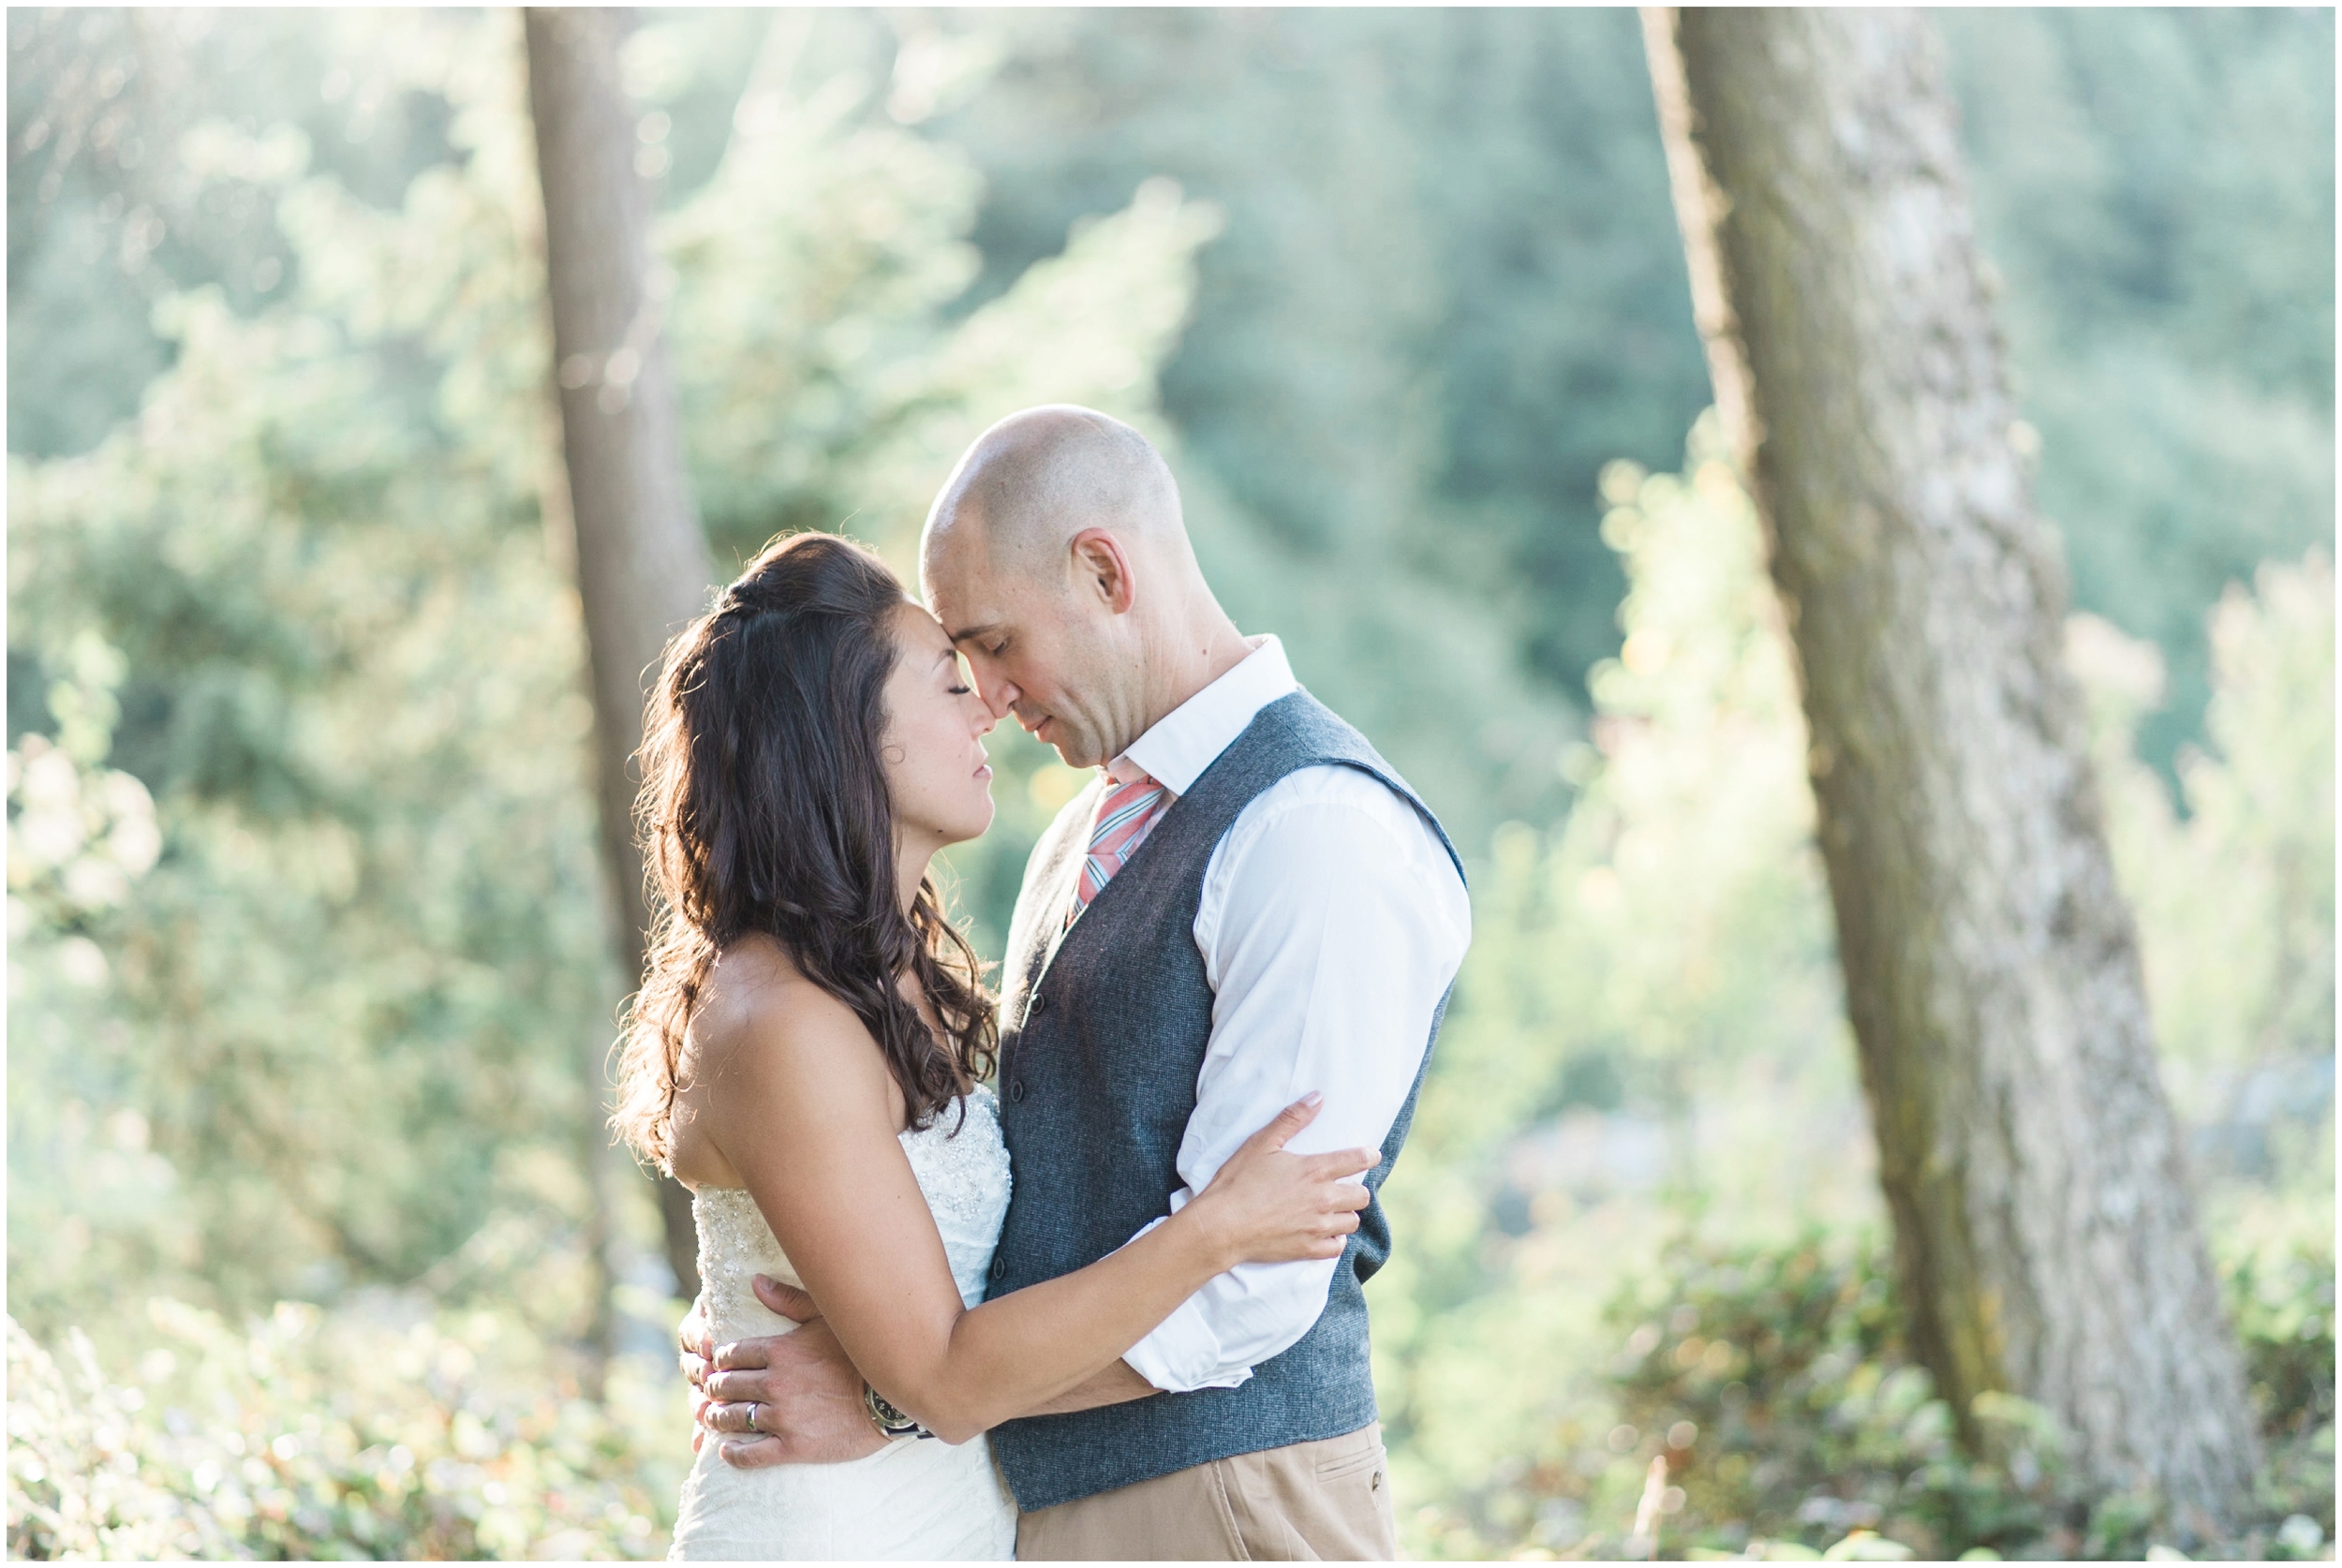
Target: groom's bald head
(1038, 477)
(1058, 562)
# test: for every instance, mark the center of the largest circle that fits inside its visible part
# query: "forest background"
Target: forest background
(310, 1214)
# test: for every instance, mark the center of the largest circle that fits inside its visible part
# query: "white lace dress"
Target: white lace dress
(917, 1498)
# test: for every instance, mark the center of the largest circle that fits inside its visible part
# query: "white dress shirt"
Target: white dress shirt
(1332, 923)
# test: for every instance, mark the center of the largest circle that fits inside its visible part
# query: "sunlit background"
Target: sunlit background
(310, 985)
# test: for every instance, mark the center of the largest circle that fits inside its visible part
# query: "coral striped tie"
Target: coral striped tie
(1124, 817)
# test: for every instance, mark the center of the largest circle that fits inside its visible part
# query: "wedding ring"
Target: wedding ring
(753, 1410)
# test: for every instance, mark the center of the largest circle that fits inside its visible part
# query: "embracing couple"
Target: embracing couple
(1109, 1305)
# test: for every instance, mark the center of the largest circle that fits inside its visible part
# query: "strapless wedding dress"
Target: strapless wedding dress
(917, 1498)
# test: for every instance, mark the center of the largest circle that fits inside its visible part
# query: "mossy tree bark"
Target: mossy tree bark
(643, 566)
(2044, 1229)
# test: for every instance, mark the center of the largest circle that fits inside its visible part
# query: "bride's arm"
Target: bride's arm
(805, 1111)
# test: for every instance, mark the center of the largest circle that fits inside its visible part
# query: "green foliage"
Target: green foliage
(313, 1436)
(2281, 1299)
(2283, 1305)
(353, 1030)
(1767, 1393)
(1646, 1073)
(105, 218)
(1800, 1418)
(2247, 977)
(824, 385)
(2158, 189)
(1670, 930)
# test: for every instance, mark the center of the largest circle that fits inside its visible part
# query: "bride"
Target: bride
(806, 1056)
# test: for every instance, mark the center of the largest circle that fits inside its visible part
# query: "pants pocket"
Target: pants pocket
(1346, 1458)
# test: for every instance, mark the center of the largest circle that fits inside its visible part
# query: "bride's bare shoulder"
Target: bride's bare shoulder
(756, 998)
(765, 1042)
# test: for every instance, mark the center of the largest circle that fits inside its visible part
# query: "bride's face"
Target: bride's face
(936, 771)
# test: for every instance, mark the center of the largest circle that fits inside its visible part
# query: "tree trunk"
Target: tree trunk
(642, 567)
(2044, 1230)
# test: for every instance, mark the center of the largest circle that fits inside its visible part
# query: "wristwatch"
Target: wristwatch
(891, 1422)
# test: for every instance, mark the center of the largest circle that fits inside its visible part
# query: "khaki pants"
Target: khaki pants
(1309, 1502)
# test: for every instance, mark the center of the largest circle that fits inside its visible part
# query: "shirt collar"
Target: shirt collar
(1190, 737)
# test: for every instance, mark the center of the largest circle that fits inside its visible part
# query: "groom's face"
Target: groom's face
(1040, 648)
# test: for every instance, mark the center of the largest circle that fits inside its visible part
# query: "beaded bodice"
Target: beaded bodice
(962, 1171)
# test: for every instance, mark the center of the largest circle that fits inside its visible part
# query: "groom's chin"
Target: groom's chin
(1071, 749)
(1071, 745)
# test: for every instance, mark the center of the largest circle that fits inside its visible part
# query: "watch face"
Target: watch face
(890, 1420)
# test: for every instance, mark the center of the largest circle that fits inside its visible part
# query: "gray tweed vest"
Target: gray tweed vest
(1103, 1032)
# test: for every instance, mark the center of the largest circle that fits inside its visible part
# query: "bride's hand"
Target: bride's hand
(1266, 1206)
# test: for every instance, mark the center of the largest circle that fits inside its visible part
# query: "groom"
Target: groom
(1294, 923)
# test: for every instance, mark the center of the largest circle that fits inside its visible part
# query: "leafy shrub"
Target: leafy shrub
(311, 1435)
(1773, 1388)
(1776, 1386)
(2282, 1301)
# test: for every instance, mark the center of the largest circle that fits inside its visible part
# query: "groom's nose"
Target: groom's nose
(999, 696)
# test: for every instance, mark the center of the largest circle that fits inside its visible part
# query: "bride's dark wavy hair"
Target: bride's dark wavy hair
(764, 807)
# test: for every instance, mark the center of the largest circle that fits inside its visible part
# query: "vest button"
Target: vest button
(999, 1267)
(1016, 1090)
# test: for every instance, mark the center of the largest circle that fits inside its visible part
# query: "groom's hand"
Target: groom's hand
(803, 1394)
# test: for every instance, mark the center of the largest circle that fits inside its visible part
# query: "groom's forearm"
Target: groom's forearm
(1114, 1385)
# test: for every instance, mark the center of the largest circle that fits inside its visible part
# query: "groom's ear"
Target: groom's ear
(1102, 566)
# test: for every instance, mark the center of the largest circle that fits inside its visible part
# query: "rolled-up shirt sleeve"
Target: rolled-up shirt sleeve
(1332, 923)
